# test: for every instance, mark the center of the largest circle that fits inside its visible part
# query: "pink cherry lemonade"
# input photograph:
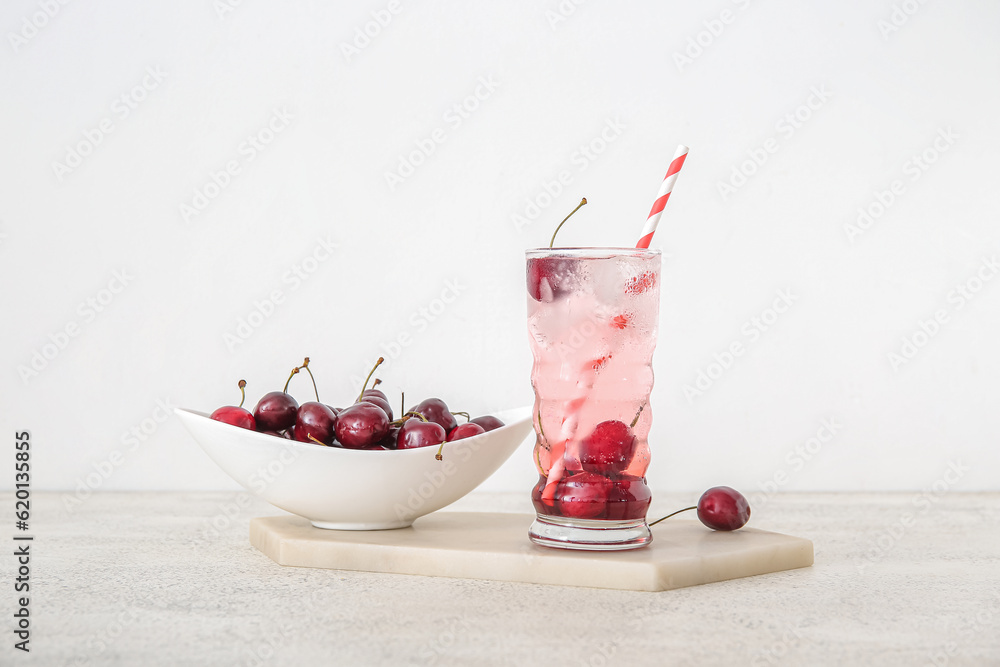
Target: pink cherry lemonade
(592, 320)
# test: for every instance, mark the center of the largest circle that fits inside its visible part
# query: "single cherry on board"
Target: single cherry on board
(723, 508)
(608, 449)
(719, 508)
(236, 415)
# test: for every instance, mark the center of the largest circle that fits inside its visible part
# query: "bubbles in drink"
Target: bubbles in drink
(592, 322)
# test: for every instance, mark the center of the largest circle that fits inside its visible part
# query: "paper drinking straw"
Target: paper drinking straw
(662, 196)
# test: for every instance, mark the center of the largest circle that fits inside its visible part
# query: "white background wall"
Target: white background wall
(890, 87)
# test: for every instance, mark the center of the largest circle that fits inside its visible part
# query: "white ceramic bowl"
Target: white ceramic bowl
(346, 489)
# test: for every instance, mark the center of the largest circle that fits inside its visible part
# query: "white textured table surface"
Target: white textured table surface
(170, 579)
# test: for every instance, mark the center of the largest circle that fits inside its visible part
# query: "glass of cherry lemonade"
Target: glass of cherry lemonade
(592, 319)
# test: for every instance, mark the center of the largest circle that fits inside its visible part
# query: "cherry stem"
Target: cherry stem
(636, 420)
(318, 442)
(438, 456)
(402, 402)
(464, 414)
(243, 394)
(305, 365)
(294, 371)
(365, 385)
(376, 383)
(553, 241)
(541, 430)
(407, 415)
(694, 507)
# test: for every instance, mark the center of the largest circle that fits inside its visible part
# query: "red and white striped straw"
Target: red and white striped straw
(662, 196)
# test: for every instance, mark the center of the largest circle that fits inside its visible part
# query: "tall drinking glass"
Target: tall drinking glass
(592, 319)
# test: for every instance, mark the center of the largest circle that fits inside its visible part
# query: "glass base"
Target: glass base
(588, 534)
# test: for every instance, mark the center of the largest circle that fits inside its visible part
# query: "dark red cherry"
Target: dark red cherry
(608, 449)
(415, 433)
(723, 508)
(465, 431)
(361, 425)
(389, 441)
(628, 499)
(582, 496)
(435, 410)
(542, 506)
(374, 392)
(489, 422)
(231, 414)
(275, 411)
(549, 278)
(315, 421)
(375, 399)
(236, 415)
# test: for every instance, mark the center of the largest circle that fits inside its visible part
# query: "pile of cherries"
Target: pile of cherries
(367, 424)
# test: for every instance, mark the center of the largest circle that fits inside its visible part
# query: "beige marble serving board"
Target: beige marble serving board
(485, 545)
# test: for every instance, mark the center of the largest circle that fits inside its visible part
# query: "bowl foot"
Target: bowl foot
(381, 525)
